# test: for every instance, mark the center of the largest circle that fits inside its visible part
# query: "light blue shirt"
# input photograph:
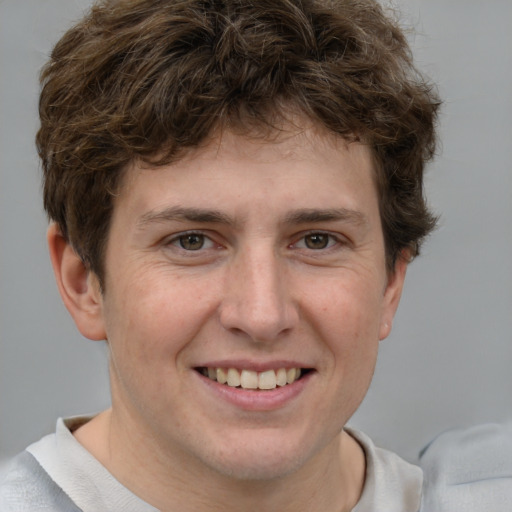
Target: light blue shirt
(469, 470)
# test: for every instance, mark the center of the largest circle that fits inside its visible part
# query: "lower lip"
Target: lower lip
(254, 400)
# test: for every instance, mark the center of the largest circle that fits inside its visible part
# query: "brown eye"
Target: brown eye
(316, 241)
(192, 241)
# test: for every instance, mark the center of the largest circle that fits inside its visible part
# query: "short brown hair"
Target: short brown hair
(148, 79)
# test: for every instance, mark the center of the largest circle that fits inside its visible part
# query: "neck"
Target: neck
(331, 481)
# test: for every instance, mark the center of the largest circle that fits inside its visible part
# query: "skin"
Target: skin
(259, 291)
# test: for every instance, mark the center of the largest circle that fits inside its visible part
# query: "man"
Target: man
(235, 191)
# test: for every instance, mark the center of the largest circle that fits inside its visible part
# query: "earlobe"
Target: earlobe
(79, 288)
(392, 296)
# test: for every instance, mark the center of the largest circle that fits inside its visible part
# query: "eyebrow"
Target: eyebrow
(202, 215)
(180, 213)
(314, 215)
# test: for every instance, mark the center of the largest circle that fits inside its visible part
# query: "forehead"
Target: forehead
(281, 139)
(301, 166)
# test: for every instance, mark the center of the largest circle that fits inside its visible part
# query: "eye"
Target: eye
(192, 242)
(316, 241)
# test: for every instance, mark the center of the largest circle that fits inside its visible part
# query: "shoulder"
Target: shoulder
(25, 485)
(469, 469)
(57, 473)
(392, 484)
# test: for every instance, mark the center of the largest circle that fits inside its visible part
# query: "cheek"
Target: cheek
(153, 317)
(348, 319)
(351, 341)
(349, 314)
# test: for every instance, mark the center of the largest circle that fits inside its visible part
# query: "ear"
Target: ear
(392, 294)
(78, 286)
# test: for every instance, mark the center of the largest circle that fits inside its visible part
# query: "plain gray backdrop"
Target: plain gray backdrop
(448, 361)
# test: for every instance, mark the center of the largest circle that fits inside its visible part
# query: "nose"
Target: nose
(257, 297)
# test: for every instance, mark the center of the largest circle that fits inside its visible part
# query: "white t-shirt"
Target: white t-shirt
(58, 473)
(391, 484)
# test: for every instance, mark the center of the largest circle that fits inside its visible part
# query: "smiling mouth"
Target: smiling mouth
(252, 380)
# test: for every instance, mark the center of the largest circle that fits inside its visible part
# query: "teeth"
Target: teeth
(281, 377)
(233, 378)
(267, 380)
(221, 376)
(292, 375)
(249, 379)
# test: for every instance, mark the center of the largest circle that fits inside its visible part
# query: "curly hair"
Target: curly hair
(148, 79)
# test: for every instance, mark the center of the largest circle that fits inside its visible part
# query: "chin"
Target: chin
(256, 469)
(259, 459)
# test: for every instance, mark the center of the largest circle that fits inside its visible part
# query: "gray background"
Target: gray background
(448, 360)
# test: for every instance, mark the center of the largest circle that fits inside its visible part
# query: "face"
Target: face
(246, 292)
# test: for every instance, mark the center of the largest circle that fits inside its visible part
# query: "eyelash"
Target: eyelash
(178, 240)
(331, 241)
